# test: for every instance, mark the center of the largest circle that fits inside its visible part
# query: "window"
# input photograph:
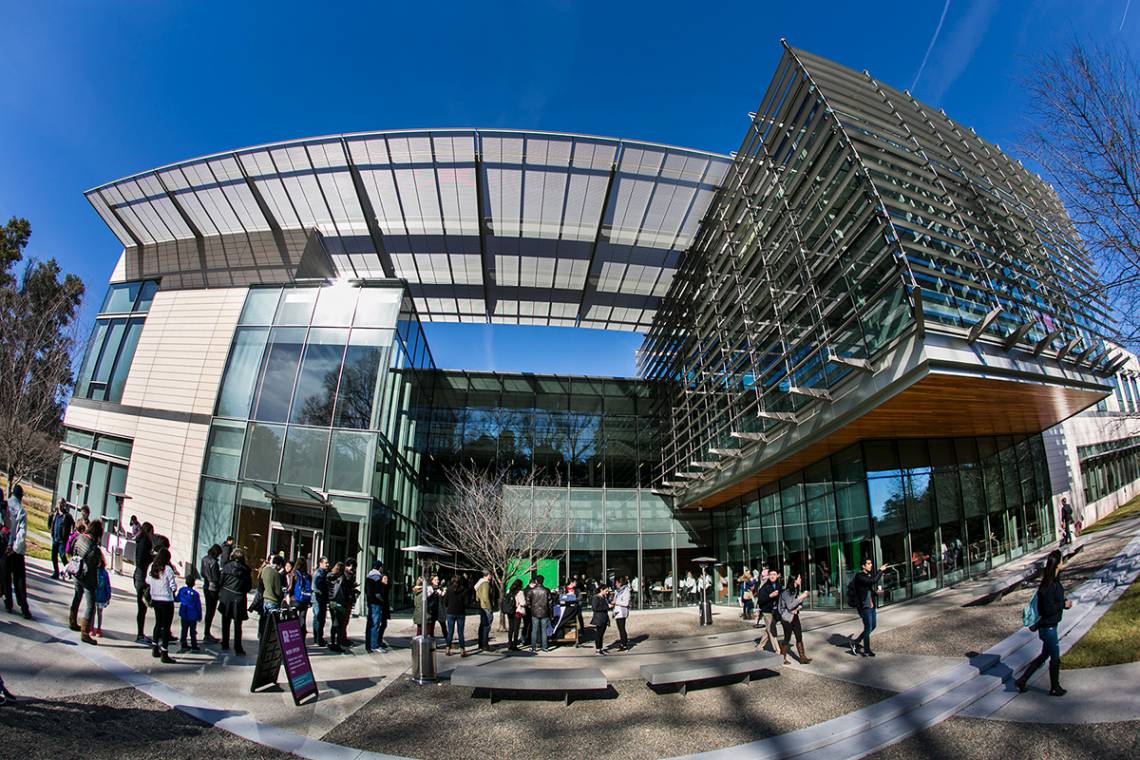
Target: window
(107, 361)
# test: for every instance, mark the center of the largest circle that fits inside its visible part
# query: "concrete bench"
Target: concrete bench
(563, 680)
(685, 671)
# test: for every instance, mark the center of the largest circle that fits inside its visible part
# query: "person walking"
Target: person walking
(189, 613)
(144, 556)
(1066, 522)
(455, 602)
(747, 594)
(320, 601)
(767, 616)
(538, 602)
(163, 590)
(301, 592)
(211, 571)
(86, 582)
(1051, 606)
(486, 610)
(791, 599)
(15, 570)
(621, 605)
(269, 579)
(61, 526)
(863, 593)
(510, 608)
(600, 604)
(372, 598)
(235, 584)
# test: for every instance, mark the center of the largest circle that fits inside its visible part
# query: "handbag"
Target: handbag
(73, 567)
(258, 601)
(748, 596)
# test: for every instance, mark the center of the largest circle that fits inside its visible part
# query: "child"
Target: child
(102, 594)
(190, 612)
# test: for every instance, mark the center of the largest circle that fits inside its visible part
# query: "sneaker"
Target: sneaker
(27, 615)
(142, 640)
(155, 653)
(167, 659)
(1057, 691)
(598, 651)
(869, 653)
(854, 647)
(239, 651)
(208, 639)
(195, 648)
(183, 649)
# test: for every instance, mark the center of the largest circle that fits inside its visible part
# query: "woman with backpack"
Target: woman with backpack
(86, 581)
(1051, 606)
(791, 599)
(163, 588)
(301, 592)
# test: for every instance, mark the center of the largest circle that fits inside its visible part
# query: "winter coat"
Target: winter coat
(538, 602)
(622, 602)
(789, 605)
(455, 598)
(163, 588)
(601, 607)
(189, 605)
(211, 572)
(90, 558)
(483, 594)
(236, 583)
(865, 585)
(1051, 604)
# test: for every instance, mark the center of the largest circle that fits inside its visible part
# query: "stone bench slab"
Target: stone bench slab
(682, 672)
(563, 680)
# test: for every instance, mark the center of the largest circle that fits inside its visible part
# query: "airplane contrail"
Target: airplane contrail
(937, 31)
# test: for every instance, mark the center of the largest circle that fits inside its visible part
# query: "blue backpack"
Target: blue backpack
(303, 590)
(1030, 616)
(103, 587)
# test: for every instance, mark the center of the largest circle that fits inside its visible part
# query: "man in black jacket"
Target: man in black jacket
(865, 587)
(320, 601)
(211, 571)
(61, 527)
(767, 599)
(351, 594)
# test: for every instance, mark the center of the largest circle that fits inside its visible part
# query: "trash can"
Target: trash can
(423, 659)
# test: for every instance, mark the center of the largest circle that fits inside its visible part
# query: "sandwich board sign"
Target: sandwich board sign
(284, 644)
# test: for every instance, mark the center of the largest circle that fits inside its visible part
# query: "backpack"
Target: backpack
(103, 588)
(303, 590)
(1030, 616)
(853, 597)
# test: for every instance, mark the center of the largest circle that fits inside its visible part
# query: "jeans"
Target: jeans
(58, 555)
(621, 632)
(373, 632)
(1051, 651)
(163, 617)
(140, 614)
(486, 618)
(453, 622)
(85, 594)
(869, 616)
(600, 635)
(189, 627)
(15, 578)
(538, 632)
(263, 618)
(320, 612)
(211, 610)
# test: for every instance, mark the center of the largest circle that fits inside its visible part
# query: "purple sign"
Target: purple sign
(295, 657)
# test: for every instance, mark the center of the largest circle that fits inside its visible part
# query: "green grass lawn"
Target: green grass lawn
(1113, 640)
(1131, 509)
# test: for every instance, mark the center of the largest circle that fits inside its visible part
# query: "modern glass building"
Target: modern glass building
(857, 328)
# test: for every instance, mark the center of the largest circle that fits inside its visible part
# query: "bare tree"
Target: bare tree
(1086, 136)
(496, 525)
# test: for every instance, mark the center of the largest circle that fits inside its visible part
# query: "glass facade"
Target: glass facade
(936, 511)
(315, 446)
(1109, 466)
(92, 468)
(111, 348)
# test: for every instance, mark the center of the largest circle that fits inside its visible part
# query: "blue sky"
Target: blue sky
(94, 91)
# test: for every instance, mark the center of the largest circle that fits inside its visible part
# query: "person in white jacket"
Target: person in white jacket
(15, 574)
(163, 589)
(622, 599)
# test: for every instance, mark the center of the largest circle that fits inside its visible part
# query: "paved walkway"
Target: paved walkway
(45, 660)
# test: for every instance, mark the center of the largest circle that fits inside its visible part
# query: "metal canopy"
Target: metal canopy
(485, 225)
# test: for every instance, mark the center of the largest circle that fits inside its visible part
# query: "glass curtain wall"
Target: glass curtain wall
(919, 506)
(111, 347)
(315, 446)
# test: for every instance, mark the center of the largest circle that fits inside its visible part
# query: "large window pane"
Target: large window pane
(223, 450)
(91, 358)
(97, 487)
(305, 451)
(350, 461)
(275, 387)
(335, 305)
(260, 306)
(120, 298)
(116, 484)
(263, 444)
(357, 403)
(621, 510)
(241, 372)
(656, 515)
(109, 351)
(378, 307)
(215, 513)
(317, 381)
(296, 306)
(586, 510)
(123, 363)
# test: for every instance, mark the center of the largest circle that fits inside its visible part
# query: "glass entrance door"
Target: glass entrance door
(292, 542)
